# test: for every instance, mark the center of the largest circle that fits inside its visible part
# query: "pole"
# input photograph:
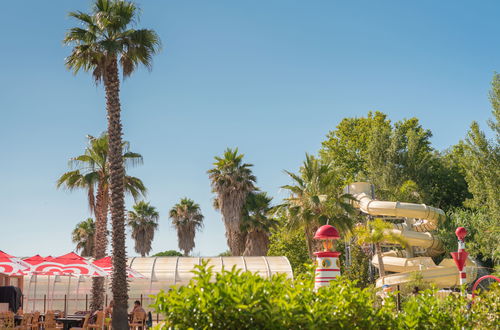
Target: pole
(463, 273)
(460, 257)
(34, 291)
(44, 303)
(86, 302)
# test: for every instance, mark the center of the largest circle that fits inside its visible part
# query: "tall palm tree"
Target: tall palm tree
(83, 236)
(144, 221)
(316, 199)
(91, 172)
(232, 180)
(103, 43)
(376, 232)
(257, 224)
(187, 219)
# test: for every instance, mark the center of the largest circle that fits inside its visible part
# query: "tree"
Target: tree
(316, 199)
(232, 180)
(91, 172)
(377, 232)
(83, 236)
(291, 244)
(187, 219)
(143, 221)
(103, 43)
(257, 224)
(168, 253)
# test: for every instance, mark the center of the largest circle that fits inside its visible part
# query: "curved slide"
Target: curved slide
(419, 220)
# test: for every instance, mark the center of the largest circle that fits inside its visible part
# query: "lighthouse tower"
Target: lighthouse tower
(327, 261)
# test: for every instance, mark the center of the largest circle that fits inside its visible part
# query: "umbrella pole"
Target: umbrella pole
(53, 290)
(66, 305)
(34, 291)
(28, 294)
(77, 292)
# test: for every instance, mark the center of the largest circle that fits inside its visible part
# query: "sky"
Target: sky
(269, 77)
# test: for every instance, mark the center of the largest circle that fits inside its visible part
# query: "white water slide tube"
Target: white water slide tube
(419, 220)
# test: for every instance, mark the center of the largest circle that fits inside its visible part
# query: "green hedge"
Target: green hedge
(237, 300)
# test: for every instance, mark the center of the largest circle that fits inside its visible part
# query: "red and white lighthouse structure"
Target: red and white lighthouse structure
(460, 257)
(327, 261)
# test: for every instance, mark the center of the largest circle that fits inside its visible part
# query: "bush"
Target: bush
(236, 300)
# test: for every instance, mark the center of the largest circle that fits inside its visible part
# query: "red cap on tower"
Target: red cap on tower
(461, 232)
(327, 232)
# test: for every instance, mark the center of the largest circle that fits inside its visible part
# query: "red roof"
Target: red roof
(327, 232)
(461, 232)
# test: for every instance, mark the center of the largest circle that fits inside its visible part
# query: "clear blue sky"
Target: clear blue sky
(270, 77)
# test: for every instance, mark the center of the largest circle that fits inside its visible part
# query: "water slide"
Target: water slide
(418, 222)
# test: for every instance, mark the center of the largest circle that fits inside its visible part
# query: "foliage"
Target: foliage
(83, 236)
(225, 254)
(291, 245)
(187, 219)
(232, 180)
(232, 299)
(168, 253)
(143, 220)
(315, 199)
(483, 237)
(257, 223)
(359, 262)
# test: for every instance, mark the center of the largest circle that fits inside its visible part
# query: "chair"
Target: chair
(138, 321)
(99, 323)
(85, 323)
(35, 321)
(25, 322)
(7, 320)
(50, 321)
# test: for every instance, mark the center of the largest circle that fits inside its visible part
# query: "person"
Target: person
(137, 308)
(109, 310)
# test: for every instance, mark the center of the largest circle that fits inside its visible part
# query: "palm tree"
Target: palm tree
(316, 199)
(187, 219)
(144, 221)
(232, 180)
(257, 224)
(376, 232)
(104, 43)
(91, 172)
(83, 236)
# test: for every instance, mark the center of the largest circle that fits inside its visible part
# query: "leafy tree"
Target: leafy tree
(83, 236)
(316, 199)
(376, 232)
(225, 254)
(257, 224)
(144, 221)
(232, 180)
(187, 219)
(168, 253)
(104, 43)
(91, 172)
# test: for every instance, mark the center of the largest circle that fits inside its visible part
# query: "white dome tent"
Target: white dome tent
(160, 272)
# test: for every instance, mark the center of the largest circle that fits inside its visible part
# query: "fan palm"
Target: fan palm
(316, 199)
(92, 173)
(187, 219)
(143, 221)
(232, 180)
(376, 232)
(83, 236)
(104, 42)
(257, 224)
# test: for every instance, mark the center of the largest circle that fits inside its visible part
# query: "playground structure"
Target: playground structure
(414, 222)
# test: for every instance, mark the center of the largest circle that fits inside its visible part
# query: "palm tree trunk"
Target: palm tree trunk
(378, 251)
(100, 244)
(119, 284)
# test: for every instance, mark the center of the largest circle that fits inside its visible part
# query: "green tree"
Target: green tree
(187, 219)
(377, 232)
(232, 180)
(143, 221)
(168, 253)
(103, 43)
(315, 199)
(83, 237)
(257, 224)
(292, 245)
(91, 172)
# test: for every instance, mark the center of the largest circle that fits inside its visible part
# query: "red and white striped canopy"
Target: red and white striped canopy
(68, 264)
(106, 264)
(36, 260)
(12, 266)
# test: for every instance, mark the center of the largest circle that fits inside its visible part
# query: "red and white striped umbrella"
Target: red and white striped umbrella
(68, 264)
(12, 266)
(106, 264)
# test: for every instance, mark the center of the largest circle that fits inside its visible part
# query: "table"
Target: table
(69, 322)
